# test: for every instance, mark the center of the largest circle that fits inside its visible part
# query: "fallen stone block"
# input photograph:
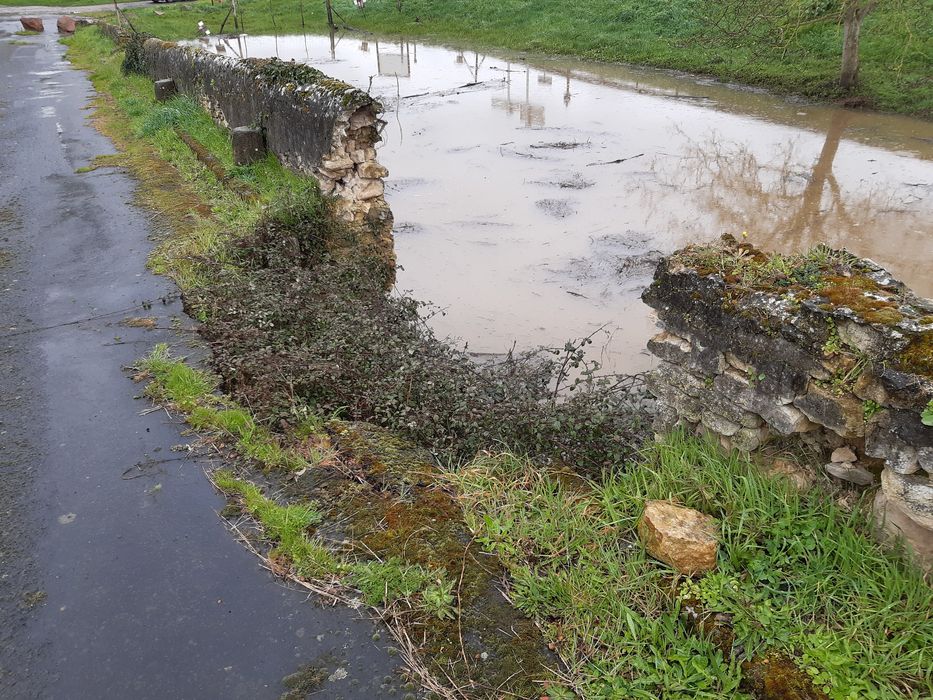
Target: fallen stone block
(165, 89)
(66, 25)
(32, 24)
(852, 473)
(682, 538)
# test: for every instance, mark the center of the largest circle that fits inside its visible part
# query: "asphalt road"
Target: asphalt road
(117, 587)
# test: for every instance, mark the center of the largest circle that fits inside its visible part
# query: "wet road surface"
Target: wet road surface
(534, 196)
(117, 578)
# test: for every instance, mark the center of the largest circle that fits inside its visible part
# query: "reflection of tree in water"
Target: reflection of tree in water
(786, 207)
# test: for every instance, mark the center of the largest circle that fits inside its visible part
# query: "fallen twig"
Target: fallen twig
(616, 161)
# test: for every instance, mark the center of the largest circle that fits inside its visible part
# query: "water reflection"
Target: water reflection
(521, 210)
(393, 60)
(531, 114)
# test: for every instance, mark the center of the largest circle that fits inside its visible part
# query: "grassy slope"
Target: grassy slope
(897, 57)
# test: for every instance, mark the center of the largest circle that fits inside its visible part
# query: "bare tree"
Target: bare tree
(776, 24)
(853, 12)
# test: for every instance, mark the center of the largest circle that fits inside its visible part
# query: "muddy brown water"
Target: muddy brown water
(533, 196)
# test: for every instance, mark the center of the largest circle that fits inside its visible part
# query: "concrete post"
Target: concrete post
(165, 90)
(249, 145)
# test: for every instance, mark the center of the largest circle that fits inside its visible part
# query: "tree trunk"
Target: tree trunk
(852, 25)
(330, 13)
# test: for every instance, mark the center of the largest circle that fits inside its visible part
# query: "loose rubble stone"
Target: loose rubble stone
(372, 170)
(912, 493)
(799, 477)
(370, 189)
(869, 388)
(892, 523)
(843, 454)
(750, 439)
(850, 472)
(683, 538)
(32, 24)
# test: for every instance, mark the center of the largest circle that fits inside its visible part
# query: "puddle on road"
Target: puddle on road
(533, 199)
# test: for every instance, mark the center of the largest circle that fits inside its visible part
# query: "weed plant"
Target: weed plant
(795, 574)
(325, 337)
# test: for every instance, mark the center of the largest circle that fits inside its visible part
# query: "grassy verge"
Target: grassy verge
(202, 214)
(191, 392)
(400, 548)
(796, 575)
(896, 58)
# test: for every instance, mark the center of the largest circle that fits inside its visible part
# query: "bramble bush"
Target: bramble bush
(294, 329)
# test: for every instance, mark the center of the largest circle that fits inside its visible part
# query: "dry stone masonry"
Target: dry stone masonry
(822, 347)
(314, 124)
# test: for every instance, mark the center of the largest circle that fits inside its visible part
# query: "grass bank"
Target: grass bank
(351, 510)
(895, 50)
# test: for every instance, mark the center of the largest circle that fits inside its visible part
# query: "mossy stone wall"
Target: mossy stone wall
(823, 347)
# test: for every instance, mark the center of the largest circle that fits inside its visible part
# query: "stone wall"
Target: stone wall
(314, 124)
(822, 347)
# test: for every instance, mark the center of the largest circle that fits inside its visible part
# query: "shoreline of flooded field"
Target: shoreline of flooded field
(533, 197)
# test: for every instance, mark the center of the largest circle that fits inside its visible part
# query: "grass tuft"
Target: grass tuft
(796, 574)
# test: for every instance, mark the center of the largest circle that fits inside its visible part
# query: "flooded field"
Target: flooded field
(532, 198)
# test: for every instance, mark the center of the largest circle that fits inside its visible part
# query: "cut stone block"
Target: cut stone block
(165, 89)
(249, 145)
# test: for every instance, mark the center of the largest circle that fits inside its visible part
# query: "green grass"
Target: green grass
(191, 391)
(796, 574)
(381, 583)
(204, 215)
(895, 52)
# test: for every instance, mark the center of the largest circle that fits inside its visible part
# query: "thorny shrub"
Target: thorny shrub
(294, 330)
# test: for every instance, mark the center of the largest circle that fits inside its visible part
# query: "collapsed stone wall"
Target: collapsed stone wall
(314, 124)
(823, 347)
